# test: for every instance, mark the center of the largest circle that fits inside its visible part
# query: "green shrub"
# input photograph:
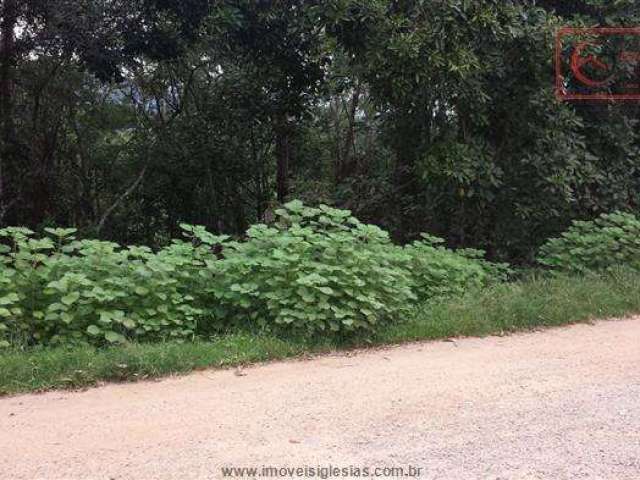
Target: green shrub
(316, 270)
(611, 240)
(438, 272)
(57, 290)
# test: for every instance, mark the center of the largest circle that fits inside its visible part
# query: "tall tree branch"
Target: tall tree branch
(121, 199)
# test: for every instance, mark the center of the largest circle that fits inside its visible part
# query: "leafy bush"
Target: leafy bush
(437, 271)
(57, 290)
(612, 239)
(314, 271)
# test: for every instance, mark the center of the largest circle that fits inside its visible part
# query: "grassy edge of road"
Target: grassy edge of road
(524, 305)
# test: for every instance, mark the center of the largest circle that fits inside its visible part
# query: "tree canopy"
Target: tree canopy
(125, 118)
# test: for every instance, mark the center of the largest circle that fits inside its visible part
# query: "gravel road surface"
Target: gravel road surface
(558, 404)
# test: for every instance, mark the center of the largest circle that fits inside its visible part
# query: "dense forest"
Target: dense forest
(124, 118)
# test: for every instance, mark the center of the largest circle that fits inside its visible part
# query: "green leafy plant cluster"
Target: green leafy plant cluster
(57, 290)
(439, 272)
(610, 240)
(314, 271)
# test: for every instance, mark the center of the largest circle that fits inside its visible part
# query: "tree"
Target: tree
(51, 40)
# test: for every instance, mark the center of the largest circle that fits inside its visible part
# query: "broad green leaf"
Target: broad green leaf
(142, 291)
(113, 337)
(130, 324)
(9, 299)
(70, 299)
(94, 330)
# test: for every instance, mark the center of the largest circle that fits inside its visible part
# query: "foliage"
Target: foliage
(313, 271)
(57, 291)
(610, 240)
(523, 305)
(532, 302)
(124, 118)
(439, 272)
(482, 153)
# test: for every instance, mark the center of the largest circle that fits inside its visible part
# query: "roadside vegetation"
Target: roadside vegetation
(152, 151)
(77, 312)
(314, 271)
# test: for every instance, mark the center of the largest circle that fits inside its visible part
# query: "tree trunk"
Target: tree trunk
(348, 166)
(334, 106)
(283, 154)
(8, 22)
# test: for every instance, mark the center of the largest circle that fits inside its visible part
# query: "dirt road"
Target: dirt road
(559, 404)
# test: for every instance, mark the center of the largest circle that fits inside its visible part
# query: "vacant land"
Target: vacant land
(560, 404)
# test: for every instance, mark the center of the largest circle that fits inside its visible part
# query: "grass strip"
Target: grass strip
(538, 301)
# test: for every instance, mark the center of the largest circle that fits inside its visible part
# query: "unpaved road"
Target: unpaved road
(560, 404)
